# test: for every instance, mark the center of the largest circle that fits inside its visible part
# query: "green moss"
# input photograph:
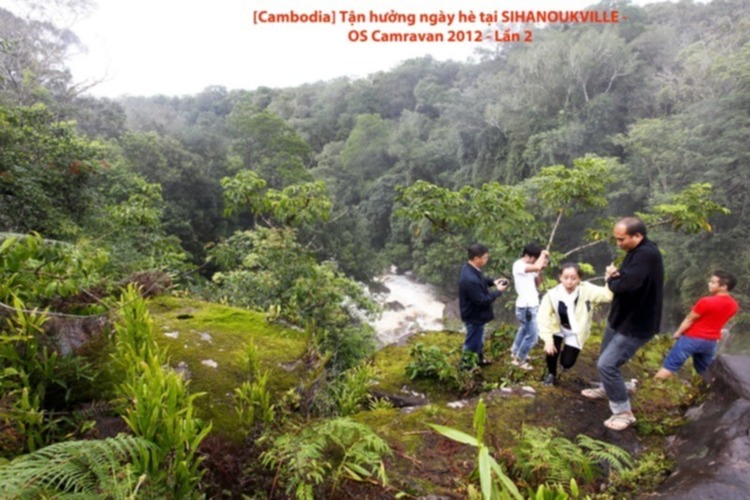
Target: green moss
(206, 331)
(421, 456)
(391, 363)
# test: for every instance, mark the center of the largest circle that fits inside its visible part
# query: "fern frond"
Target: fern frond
(618, 459)
(544, 457)
(89, 466)
(341, 446)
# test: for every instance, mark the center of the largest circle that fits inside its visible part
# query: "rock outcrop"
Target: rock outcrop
(713, 450)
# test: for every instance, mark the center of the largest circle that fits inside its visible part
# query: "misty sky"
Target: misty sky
(147, 47)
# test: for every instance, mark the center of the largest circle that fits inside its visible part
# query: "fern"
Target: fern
(619, 460)
(544, 457)
(76, 467)
(342, 447)
(652, 469)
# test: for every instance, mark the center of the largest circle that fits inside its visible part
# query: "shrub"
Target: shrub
(34, 379)
(351, 389)
(429, 362)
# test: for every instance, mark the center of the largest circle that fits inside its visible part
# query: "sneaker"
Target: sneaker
(485, 362)
(549, 379)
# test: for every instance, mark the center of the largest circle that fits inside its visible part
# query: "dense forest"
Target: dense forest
(286, 200)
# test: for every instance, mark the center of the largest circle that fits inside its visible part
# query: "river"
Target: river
(409, 307)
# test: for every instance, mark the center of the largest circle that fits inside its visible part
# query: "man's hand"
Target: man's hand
(501, 284)
(545, 256)
(677, 335)
(611, 272)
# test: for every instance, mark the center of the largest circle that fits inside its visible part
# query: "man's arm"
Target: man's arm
(540, 263)
(479, 294)
(631, 278)
(691, 318)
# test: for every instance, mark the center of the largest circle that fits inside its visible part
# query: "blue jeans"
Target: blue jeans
(616, 350)
(474, 339)
(703, 352)
(527, 334)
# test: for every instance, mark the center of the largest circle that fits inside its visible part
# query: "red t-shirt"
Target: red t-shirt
(714, 311)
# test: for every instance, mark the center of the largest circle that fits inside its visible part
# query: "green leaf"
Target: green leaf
(455, 435)
(480, 415)
(509, 486)
(354, 475)
(485, 473)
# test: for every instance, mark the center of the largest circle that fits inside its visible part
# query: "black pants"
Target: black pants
(567, 356)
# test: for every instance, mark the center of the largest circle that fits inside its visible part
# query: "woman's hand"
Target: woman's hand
(550, 349)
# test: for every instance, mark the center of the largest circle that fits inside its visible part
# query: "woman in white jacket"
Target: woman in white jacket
(564, 333)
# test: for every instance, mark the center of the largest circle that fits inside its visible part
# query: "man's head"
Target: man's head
(721, 282)
(531, 252)
(478, 255)
(629, 232)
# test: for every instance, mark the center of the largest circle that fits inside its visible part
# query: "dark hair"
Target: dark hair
(633, 225)
(477, 250)
(532, 250)
(571, 265)
(725, 279)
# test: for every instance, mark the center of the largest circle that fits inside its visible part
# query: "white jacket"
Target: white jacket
(548, 319)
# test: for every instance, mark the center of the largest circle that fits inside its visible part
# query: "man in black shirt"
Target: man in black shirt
(475, 298)
(634, 318)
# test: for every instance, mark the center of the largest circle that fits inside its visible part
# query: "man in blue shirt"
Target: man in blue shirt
(475, 299)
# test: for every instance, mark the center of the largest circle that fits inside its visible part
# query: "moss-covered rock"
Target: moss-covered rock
(209, 341)
(424, 462)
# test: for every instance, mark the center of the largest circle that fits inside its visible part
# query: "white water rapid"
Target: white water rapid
(409, 307)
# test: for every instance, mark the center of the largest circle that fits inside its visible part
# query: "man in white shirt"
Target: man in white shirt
(526, 276)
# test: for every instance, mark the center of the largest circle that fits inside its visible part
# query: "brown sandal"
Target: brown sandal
(619, 422)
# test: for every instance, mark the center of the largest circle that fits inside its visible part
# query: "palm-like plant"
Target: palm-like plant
(494, 482)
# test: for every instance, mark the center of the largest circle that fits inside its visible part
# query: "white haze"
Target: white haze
(170, 47)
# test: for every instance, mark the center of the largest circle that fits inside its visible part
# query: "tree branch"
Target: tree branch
(560, 213)
(583, 247)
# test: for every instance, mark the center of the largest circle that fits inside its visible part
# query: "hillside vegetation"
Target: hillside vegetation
(183, 301)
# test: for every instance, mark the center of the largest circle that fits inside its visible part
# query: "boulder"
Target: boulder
(729, 375)
(394, 305)
(713, 450)
(405, 399)
(72, 333)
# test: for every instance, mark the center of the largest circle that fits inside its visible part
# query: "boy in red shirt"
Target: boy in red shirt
(700, 331)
